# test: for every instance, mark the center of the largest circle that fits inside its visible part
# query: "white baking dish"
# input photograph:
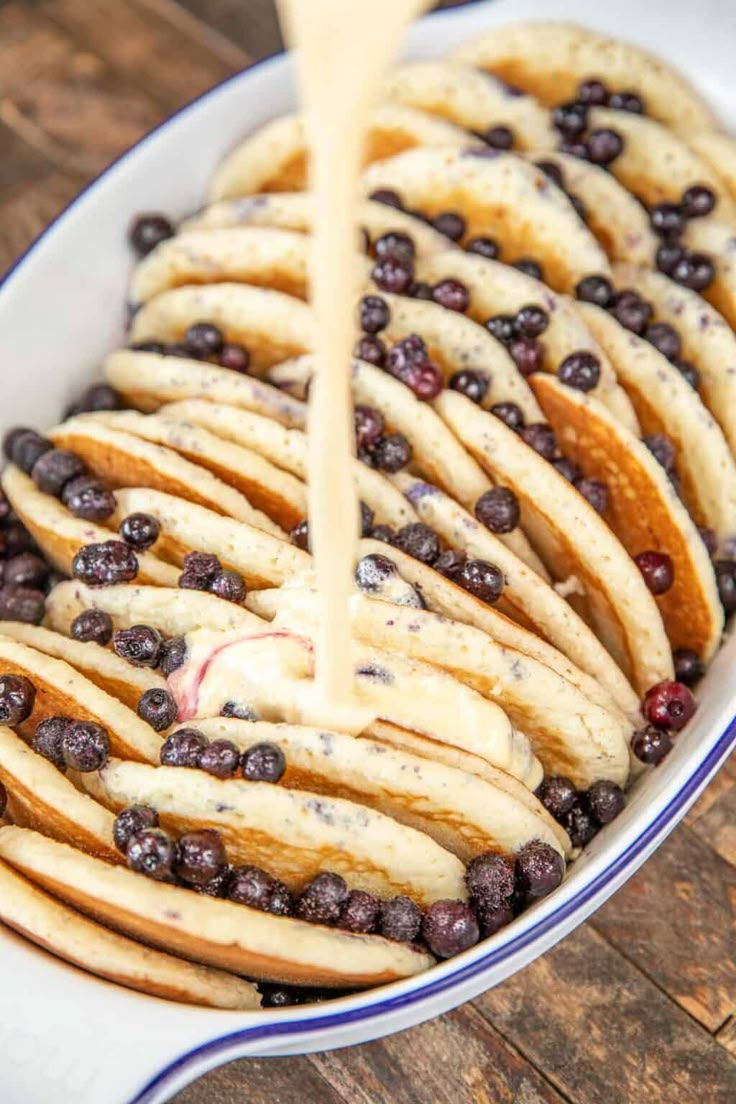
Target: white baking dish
(65, 1035)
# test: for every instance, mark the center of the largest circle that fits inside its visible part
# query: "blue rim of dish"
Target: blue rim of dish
(227, 1046)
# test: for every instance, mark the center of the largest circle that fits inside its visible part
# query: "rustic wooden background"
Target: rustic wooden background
(638, 1005)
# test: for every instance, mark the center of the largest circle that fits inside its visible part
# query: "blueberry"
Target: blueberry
(130, 821)
(203, 340)
(557, 794)
(85, 746)
(418, 541)
(200, 856)
(400, 919)
(149, 230)
(105, 564)
(140, 645)
(183, 748)
(472, 383)
(482, 579)
(157, 708)
(48, 737)
(263, 762)
(173, 655)
(88, 498)
(322, 900)
(17, 699)
(359, 913)
(22, 604)
(605, 800)
(490, 879)
(151, 852)
(539, 869)
(55, 468)
(498, 509)
(140, 531)
(449, 927)
(220, 758)
(689, 667)
(375, 314)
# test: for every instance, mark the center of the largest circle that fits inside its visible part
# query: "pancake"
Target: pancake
(293, 834)
(526, 599)
(499, 195)
(272, 491)
(644, 510)
(274, 158)
(472, 99)
(550, 59)
(655, 163)
(666, 403)
(287, 449)
(575, 542)
(100, 665)
(271, 325)
(42, 798)
(715, 237)
(254, 255)
(707, 340)
(462, 813)
(148, 380)
(719, 152)
(293, 211)
(173, 612)
(217, 933)
(125, 460)
(67, 934)
(261, 558)
(613, 215)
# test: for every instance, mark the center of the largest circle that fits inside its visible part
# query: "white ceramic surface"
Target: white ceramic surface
(65, 1035)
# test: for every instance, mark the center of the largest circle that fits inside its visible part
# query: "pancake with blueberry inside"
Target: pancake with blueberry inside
(275, 158)
(550, 60)
(475, 100)
(543, 454)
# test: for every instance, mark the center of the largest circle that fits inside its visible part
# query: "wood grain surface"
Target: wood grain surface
(638, 1005)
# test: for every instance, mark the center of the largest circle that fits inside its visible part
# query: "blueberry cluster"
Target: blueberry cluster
(188, 747)
(691, 269)
(60, 473)
(203, 571)
(634, 313)
(582, 813)
(519, 333)
(481, 578)
(78, 744)
(602, 145)
(202, 340)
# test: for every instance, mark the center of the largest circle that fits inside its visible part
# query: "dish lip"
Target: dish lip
(541, 935)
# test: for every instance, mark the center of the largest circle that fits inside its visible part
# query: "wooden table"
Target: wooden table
(638, 1005)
